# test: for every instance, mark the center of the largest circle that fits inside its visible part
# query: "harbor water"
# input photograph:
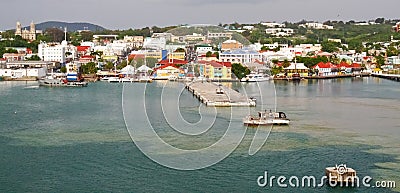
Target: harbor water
(76, 140)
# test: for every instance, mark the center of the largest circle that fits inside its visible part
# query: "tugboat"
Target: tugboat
(70, 80)
(267, 118)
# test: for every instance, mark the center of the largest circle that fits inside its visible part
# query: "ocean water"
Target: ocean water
(76, 140)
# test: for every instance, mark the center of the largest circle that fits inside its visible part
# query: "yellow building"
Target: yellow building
(216, 70)
(231, 45)
(297, 68)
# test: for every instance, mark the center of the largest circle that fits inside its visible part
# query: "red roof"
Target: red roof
(346, 65)
(164, 66)
(174, 62)
(325, 65)
(216, 64)
(82, 48)
(87, 57)
(135, 56)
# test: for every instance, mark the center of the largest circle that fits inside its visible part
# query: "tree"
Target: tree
(11, 51)
(392, 51)
(208, 54)
(276, 70)
(180, 50)
(286, 63)
(89, 68)
(380, 60)
(55, 34)
(329, 46)
(63, 69)
(380, 20)
(216, 54)
(239, 70)
(34, 58)
(86, 36)
(109, 65)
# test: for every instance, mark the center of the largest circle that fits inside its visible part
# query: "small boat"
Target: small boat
(118, 79)
(296, 76)
(255, 77)
(340, 175)
(106, 78)
(61, 83)
(143, 79)
(267, 118)
(172, 78)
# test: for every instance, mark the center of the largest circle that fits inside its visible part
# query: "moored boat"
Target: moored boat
(267, 118)
(255, 78)
(51, 82)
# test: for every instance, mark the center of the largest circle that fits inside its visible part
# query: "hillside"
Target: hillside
(70, 26)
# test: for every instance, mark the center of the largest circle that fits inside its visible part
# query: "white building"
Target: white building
(244, 55)
(56, 52)
(314, 25)
(203, 49)
(19, 69)
(219, 35)
(272, 24)
(155, 43)
(279, 31)
(248, 27)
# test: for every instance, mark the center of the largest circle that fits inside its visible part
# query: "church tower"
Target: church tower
(18, 29)
(33, 28)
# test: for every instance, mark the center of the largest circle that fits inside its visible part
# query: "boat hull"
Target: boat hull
(60, 83)
(266, 122)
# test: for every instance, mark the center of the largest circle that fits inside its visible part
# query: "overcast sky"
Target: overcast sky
(125, 14)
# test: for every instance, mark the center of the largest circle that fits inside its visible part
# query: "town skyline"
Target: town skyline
(134, 14)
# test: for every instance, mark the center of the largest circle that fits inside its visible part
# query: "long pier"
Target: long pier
(217, 95)
(394, 77)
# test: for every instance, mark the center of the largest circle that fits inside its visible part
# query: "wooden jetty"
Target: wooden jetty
(394, 77)
(217, 95)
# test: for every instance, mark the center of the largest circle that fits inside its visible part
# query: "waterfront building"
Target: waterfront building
(215, 70)
(326, 69)
(56, 52)
(297, 68)
(20, 69)
(168, 68)
(346, 68)
(29, 35)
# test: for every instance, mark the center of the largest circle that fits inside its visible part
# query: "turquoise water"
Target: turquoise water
(75, 139)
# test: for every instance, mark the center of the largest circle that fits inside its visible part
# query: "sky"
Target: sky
(125, 14)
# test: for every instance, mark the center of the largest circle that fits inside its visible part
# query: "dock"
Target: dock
(394, 77)
(216, 95)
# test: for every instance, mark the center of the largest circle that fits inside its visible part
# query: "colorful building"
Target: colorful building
(215, 70)
(168, 68)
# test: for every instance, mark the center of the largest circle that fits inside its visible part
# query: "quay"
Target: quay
(394, 77)
(217, 95)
